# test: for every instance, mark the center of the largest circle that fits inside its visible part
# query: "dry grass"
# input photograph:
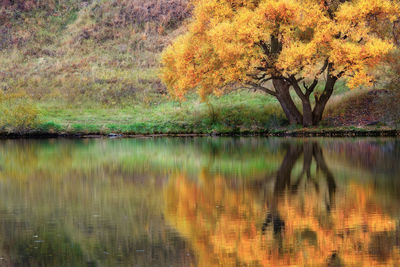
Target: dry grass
(106, 51)
(362, 107)
(338, 103)
(18, 114)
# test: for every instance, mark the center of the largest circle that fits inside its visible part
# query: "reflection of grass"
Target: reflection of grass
(235, 157)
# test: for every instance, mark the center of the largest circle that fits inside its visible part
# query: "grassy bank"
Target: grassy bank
(237, 112)
(241, 112)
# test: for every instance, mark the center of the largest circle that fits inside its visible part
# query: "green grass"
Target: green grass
(240, 112)
(237, 112)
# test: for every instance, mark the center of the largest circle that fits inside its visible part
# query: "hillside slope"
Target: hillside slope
(104, 50)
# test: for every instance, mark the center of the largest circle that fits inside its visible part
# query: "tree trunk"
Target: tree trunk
(310, 116)
(321, 102)
(307, 112)
(283, 95)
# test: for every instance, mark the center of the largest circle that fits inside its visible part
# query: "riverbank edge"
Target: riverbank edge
(303, 132)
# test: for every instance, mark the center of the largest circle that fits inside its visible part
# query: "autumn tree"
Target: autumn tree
(280, 46)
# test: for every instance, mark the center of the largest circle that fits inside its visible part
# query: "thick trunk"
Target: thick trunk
(309, 116)
(283, 95)
(320, 103)
(307, 113)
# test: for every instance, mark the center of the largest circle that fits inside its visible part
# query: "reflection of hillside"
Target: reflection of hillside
(375, 155)
(373, 161)
(303, 220)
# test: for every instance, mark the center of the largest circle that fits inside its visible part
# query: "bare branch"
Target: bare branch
(267, 79)
(310, 89)
(312, 86)
(294, 82)
(258, 87)
(257, 76)
(323, 67)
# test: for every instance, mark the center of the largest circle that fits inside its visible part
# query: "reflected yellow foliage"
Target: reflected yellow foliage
(225, 224)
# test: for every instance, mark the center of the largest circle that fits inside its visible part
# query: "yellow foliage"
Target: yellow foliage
(222, 46)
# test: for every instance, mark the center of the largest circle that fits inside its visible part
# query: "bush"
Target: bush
(17, 113)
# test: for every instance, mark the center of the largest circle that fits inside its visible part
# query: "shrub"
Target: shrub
(17, 113)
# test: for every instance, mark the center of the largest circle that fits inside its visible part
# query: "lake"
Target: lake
(209, 201)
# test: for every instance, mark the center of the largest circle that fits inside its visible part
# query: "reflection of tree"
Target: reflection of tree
(309, 151)
(309, 220)
(284, 180)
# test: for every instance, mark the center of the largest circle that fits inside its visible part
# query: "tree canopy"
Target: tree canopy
(276, 46)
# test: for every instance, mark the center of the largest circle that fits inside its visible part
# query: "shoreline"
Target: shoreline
(304, 132)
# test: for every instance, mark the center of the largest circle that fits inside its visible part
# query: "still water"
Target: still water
(200, 202)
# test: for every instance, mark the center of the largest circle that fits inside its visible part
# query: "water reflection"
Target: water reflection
(200, 202)
(284, 182)
(302, 220)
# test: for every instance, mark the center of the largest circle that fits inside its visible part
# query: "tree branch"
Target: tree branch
(261, 88)
(257, 76)
(265, 47)
(295, 83)
(326, 62)
(310, 89)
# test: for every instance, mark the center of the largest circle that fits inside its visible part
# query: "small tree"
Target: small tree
(291, 44)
